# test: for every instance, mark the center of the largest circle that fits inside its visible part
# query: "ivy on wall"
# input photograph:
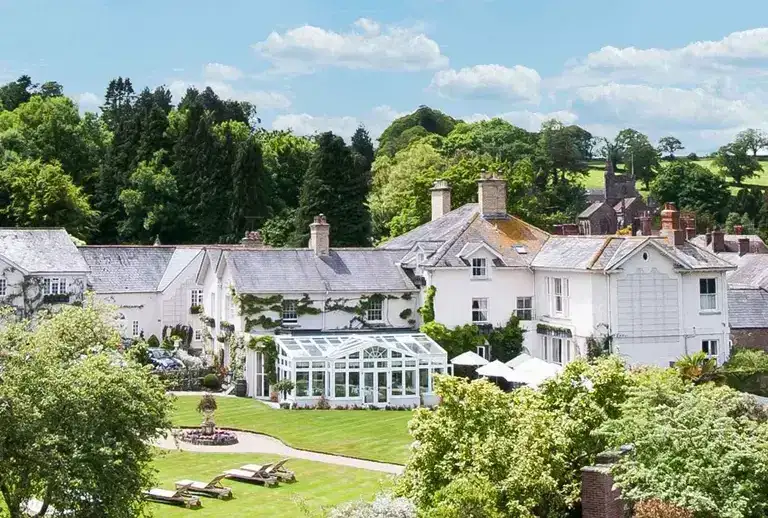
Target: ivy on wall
(268, 347)
(253, 307)
(427, 311)
(29, 298)
(546, 329)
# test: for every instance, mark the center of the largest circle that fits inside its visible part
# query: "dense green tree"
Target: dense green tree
(734, 161)
(669, 145)
(118, 103)
(638, 154)
(251, 200)
(691, 186)
(76, 421)
(495, 137)
(752, 139)
(560, 151)
(735, 219)
(286, 157)
(748, 199)
(335, 187)
(362, 144)
(16, 93)
(280, 229)
(36, 194)
(408, 128)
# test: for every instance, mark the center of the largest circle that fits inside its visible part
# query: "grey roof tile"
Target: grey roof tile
(756, 243)
(594, 207)
(751, 272)
(747, 308)
(41, 250)
(569, 252)
(300, 270)
(124, 269)
(181, 258)
(439, 230)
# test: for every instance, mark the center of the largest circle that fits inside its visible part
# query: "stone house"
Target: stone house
(616, 206)
(598, 219)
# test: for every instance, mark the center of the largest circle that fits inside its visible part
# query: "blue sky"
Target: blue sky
(695, 69)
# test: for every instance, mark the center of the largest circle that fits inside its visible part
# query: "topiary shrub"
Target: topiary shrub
(153, 341)
(323, 404)
(211, 381)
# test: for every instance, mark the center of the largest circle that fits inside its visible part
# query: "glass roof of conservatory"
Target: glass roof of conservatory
(416, 344)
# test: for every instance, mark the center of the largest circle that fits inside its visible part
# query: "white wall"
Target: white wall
(176, 300)
(15, 284)
(144, 307)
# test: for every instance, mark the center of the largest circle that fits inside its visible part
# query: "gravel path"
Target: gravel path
(257, 443)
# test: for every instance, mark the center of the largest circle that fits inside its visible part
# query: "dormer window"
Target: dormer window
(479, 268)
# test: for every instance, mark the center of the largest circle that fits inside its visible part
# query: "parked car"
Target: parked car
(163, 360)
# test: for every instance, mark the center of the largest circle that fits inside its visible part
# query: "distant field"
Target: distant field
(594, 178)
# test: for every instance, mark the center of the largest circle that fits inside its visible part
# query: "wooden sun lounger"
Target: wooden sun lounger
(212, 488)
(178, 497)
(251, 476)
(280, 472)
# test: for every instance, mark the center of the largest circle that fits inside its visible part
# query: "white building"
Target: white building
(153, 287)
(39, 268)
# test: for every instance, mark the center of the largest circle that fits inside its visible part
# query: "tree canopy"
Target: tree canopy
(691, 186)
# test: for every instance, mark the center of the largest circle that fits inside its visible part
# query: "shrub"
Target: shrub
(139, 353)
(153, 341)
(384, 506)
(747, 371)
(659, 509)
(207, 403)
(473, 496)
(211, 381)
(323, 404)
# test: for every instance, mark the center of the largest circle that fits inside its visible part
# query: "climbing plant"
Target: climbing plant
(428, 309)
(268, 347)
(252, 308)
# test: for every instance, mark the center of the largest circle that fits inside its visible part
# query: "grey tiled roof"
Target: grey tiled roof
(439, 230)
(181, 258)
(41, 250)
(594, 207)
(300, 270)
(625, 203)
(604, 253)
(756, 244)
(751, 272)
(123, 269)
(748, 308)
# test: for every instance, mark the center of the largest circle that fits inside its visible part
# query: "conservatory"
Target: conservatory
(361, 369)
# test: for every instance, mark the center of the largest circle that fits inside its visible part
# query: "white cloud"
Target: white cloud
(490, 82)
(525, 119)
(221, 72)
(88, 102)
(305, 124)
(368, 46)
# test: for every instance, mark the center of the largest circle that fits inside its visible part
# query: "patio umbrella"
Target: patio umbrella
(517, 360)
(534, 371)
(495, 369)
(469, 358)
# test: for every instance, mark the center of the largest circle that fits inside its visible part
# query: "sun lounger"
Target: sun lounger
(178, 497)
(278, 470)
(251, 476)
(212, 488)
(257, 468)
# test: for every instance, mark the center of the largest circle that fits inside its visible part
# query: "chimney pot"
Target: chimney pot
(743, 246)
(738, 229)
(718, 241)
(690, 233)
(645, 224)
(320, 236)
(252, 239)
(441, 198)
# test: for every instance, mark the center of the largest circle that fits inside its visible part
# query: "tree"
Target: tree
(75, 417)
(733, 161)
(362, 145)
(561, 150)
(638, 154)
(496, 137)
(334, 187)
(252, 190)
(669, 145)
(34, 194)
(735, 219)
(691, 186)
(16, 93)
(286, 158)
(408, 128)
(752, 139)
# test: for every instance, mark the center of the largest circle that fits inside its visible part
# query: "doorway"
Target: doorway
(376, 387)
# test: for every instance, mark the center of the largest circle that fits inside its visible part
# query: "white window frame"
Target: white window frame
(135, 329)
(290, 313)
(198, 335)
(707, 299)
(563, 295)
(375, 310)
(482, 307)
(707, 347)
(557, 351)
(479, 268)
(3, 287)
(526, 309)
(481, 351)
(196, 297)
(54, 286)
(545, 347)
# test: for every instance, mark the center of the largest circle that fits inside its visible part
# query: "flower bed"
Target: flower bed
(218, 438)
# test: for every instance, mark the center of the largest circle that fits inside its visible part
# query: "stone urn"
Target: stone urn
(209, 426)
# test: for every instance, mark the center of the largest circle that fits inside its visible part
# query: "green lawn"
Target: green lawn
(368, 434)
(318, 485)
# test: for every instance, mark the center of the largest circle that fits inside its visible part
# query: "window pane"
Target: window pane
(354, 384)
(381, 364)
(410, 383)
(557, 350)
(355, 355)
(289, 311)
(318, 365)
(340, 385)
(423, 381)
(340, 365)
(302, 383)
(354, 365)
(382, 385)
(397, 383)
(318, 383)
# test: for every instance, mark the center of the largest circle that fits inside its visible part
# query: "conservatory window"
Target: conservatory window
(397, 383)
(368, 365)
(410, 383)
(290, 313)
(375, 310)
(354, 355)
(302, 383)
(340, 365)
(354, 384)
(374, 352)
(354, 365)
(340, 384)
(318, 383)
(423, 381)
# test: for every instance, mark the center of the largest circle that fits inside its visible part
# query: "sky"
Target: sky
(697, 70)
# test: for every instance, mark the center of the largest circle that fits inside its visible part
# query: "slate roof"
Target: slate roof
(751, 272)
(748, 308)
(756, 244)
(512, 238)
(604, 253)
(300, 270)
(626, 202)
(594, 207)
(136, 269)
(40, 250)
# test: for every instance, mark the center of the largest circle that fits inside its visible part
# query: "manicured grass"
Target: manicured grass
(318, 486)
(368, 434)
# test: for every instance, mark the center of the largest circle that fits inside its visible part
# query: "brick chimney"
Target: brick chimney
(738, 229)
(252, 239)
(670, 225)
(645, 224)
(599, 497)
(441, 198)
(743, 246)
(718, 241)
(492, 195)
(320, 236)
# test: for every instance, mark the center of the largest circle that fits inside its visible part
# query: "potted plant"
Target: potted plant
(195, 309)
(207, 406)
(284, 386)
